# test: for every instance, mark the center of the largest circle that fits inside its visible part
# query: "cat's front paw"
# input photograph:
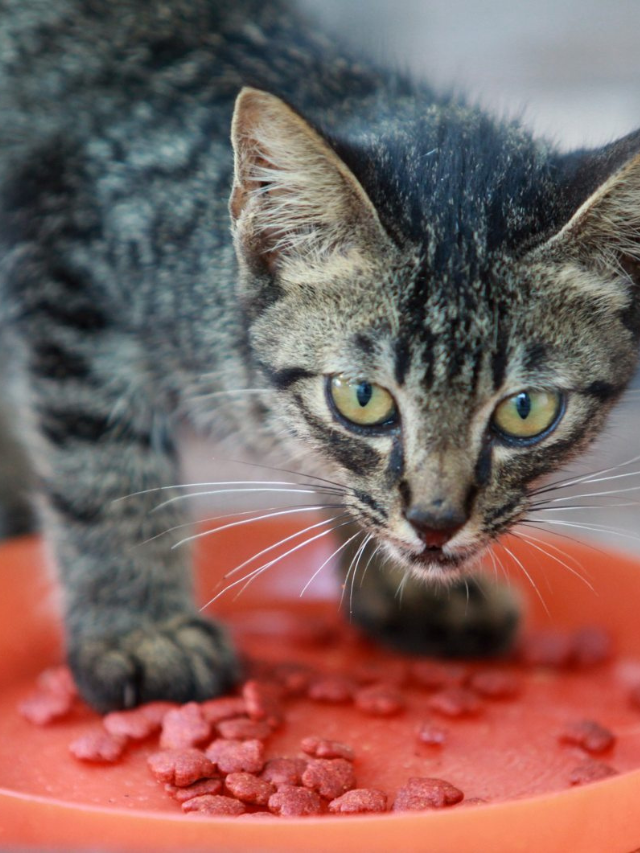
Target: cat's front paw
(472, 618)
(184, 658)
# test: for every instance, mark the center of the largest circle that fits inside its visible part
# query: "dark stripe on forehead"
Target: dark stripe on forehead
(402, 353)
(499, 360)
(429, 340)
(364, 343)
(534, 357)
(352, 453)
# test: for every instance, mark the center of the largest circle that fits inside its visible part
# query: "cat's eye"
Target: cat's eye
(528, 415)
(362, 403)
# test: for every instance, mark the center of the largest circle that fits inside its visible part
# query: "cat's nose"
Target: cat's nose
(437, 526)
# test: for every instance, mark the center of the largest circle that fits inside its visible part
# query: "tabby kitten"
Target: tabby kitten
(436, 309)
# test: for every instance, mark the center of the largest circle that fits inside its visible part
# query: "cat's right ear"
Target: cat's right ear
(600, 238)
(296, 208)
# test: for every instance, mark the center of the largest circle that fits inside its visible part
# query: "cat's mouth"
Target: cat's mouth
(437, 563)
(432, 558)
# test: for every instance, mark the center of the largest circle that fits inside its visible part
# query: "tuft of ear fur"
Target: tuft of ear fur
(603, 235)
(293, 198)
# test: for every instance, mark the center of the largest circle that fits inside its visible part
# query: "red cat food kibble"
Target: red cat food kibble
(320, 747)
(242, 728)
(58, 679)
(220, 757)
(223, 708)
(284, 771)
(156, 711)
(196, 789)
(294, 678)
(181, 767)
(132, 725)
(99, 747)
(590, 771)
(455, 702)
(424, 793)
(330, 777)
(431, 734)
(249, 788)
(589, 735)
(42, 707)
(236, 756)
(263, 701)
(331, 689)
(53, 699)
(291, 801)
(359, 801)
(212, 804)
(379, 700)
(495, 684)
(184, 727)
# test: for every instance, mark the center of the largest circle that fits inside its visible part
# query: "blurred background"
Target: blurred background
(570, 68)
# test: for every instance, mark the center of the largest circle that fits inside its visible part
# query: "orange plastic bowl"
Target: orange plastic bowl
(510, 755)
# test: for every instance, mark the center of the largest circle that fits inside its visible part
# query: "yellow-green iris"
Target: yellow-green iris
(361, 402)
(527, 414)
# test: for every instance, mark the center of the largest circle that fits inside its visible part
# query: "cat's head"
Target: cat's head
(452, 333)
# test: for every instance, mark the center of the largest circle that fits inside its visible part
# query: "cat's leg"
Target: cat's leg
(474, 617)
(132, 631)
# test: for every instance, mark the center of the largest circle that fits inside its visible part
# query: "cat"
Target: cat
(212, 213)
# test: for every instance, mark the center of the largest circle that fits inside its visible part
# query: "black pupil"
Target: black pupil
(364, 393)
(523, 405)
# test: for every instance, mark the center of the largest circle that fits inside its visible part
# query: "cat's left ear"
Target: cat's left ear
(295, 203)
(602, 233)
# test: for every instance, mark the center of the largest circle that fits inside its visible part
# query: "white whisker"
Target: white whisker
(243, 521)
(531, 540)
(538, 526)
(329, 558)
(596, 528)
(277, 544)
(400, 588)
(256, 572)
(214, 483)
(615, 492)
(252, 491)
(355, 565)
(584, 478)
(375, 551)
(285, 471)
(266, 509)
(242, 391)
(528, 576)
(546, 508)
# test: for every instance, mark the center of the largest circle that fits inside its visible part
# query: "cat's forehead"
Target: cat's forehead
(458, 183)
(452, 337)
